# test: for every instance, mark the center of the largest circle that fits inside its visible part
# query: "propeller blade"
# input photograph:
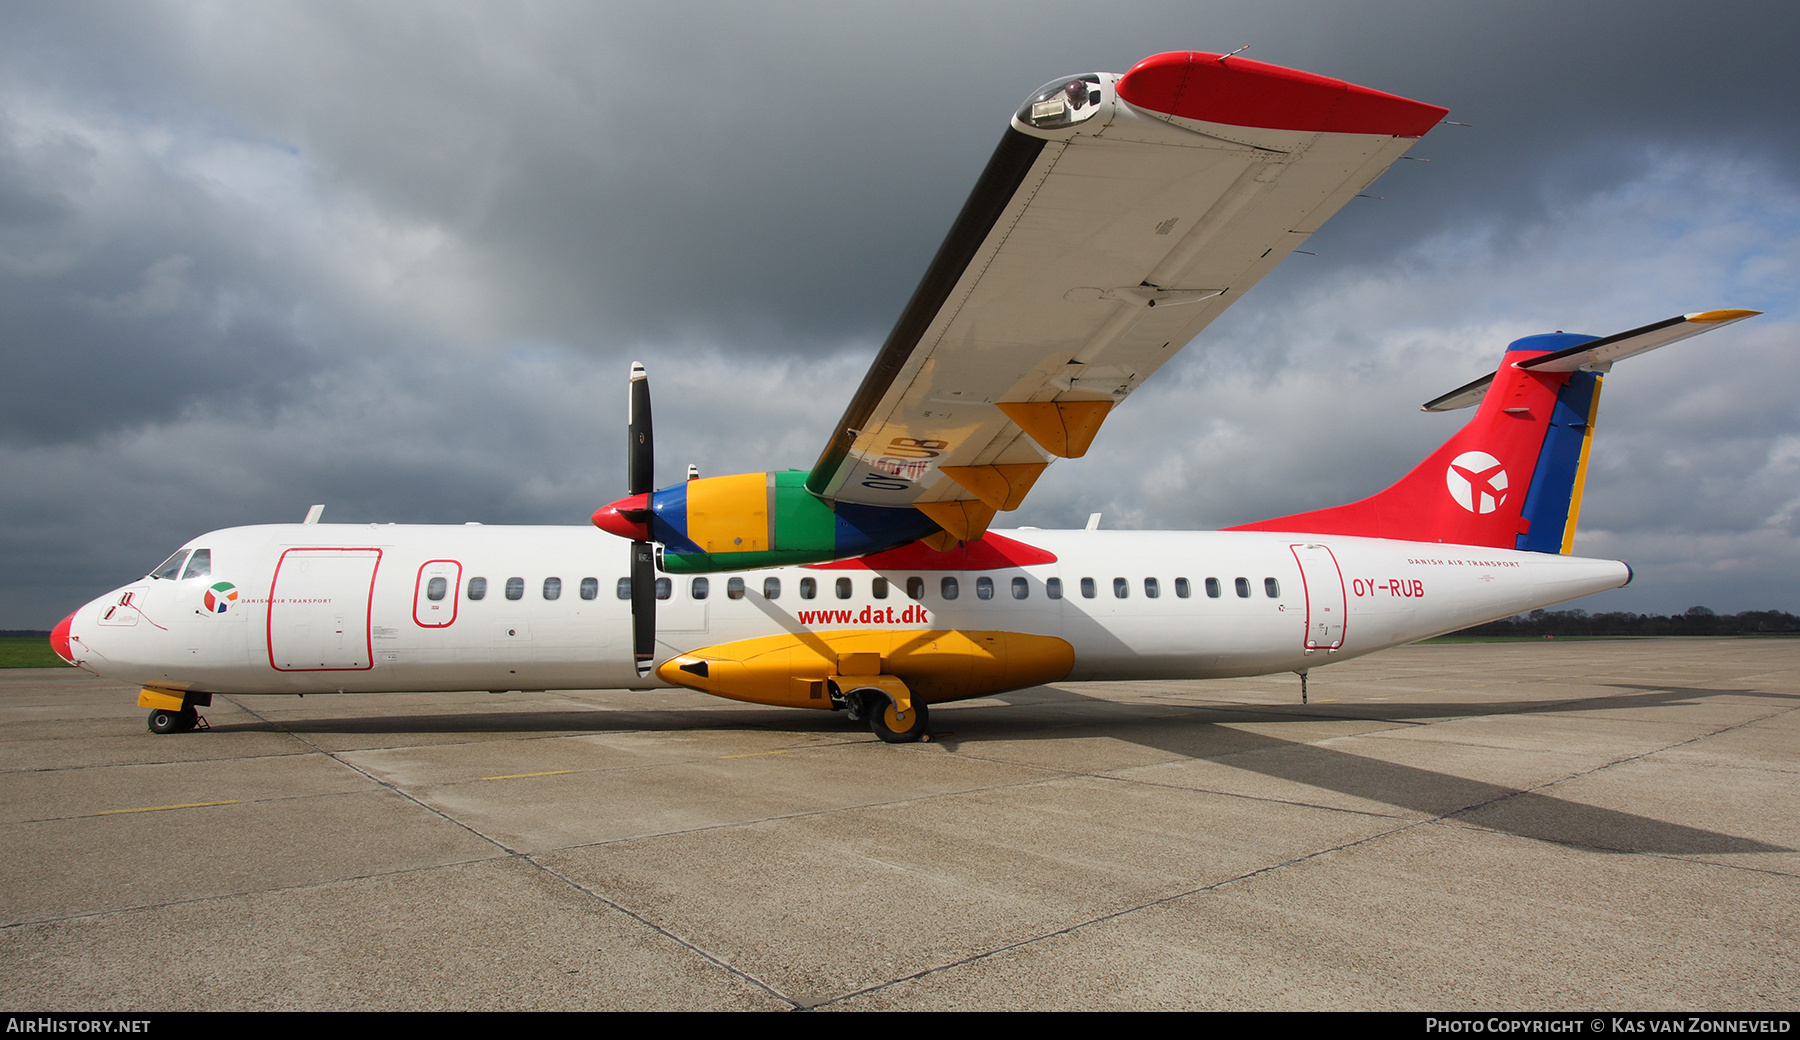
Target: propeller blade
(643, 605)
(640, 451)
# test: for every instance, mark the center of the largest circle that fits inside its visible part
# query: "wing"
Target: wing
(1118, 217)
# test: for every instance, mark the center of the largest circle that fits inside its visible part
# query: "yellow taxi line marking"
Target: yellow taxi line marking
(160, 808)
(757, 754)
(521, 776)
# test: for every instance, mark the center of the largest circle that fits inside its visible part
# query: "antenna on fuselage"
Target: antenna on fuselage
(313, 514)
(1093, 523)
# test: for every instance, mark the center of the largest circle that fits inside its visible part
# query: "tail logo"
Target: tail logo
(1477, 481)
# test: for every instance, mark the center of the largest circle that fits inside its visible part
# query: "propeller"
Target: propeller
(640, 468)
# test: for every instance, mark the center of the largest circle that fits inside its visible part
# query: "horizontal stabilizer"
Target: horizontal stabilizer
(1598, 355)
(1461, 397)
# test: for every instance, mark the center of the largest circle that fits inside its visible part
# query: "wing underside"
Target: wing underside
(1089, 253)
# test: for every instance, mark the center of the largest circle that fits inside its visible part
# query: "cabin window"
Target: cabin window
(590, 588)
(1053, 588)
(664, 588)
(199, 564)
(878, 587)
(700, 588)
(1272, 587)
(1182, 589)
(1151, 588)
(843, 588)
(478, 588)
(1021, 588)
(552, 588)
(734, 588)
(1121, 588)
(771, 588)
(1212, 588)
(171, 566)
(809, 588)
(436, 588)
(1087, 588)
(915, 588)
(984, 588)
(515, 588)
(624, 588)
(948, 588)
(1243, 588)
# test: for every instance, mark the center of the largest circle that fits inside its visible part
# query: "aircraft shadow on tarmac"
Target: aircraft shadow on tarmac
(1202, 732)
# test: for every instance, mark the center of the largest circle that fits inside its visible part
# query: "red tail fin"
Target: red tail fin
(1518, 463)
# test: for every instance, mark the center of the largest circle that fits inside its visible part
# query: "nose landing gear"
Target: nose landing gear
(162, 720)
(172, 712)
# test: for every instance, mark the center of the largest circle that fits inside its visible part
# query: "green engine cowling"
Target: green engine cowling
(752, 520)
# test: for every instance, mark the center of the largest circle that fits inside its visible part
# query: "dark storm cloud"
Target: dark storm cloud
(395, 257)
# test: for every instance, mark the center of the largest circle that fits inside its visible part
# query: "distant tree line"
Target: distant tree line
(1695, 621)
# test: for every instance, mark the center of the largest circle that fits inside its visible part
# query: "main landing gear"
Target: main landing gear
(899, 727)
(889, 722)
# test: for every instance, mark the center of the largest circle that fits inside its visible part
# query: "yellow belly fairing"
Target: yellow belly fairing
(793, 670)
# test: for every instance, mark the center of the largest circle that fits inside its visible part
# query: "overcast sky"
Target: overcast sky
(397, 258)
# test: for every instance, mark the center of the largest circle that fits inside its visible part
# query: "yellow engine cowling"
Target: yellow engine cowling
(793, 670)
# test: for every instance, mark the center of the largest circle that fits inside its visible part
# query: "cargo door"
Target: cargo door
(319, 610)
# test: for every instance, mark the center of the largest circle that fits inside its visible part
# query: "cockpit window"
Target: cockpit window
(199, 565)
(171, 566)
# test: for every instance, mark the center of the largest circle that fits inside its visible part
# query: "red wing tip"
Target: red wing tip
(1243, 92)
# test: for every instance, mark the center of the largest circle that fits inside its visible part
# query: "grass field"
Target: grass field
(28, 652)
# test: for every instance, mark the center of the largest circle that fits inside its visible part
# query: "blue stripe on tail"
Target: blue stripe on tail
(1552, 490)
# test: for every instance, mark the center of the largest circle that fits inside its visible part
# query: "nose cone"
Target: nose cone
(629, 517)
(59, 639)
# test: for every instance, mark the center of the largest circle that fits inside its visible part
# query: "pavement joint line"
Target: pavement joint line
(1692, 859)
(686, 944)
(1578, 774)
(758, 754)
(810, 813)
(1241, 796)
(1123, 912)
(266, 800)
(522, 776)
(23, 770)
(625, 767)
(372, 778)
(1269, 868)
(160, 808)
(245, 893)
(527, 858)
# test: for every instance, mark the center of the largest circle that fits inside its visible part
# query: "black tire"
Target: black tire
(887, 724)
(162, 720)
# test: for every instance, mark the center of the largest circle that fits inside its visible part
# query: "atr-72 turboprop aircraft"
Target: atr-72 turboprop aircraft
(1119, 216)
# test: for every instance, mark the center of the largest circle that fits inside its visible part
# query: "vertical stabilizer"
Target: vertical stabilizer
(1513, 477)
(1483, 486)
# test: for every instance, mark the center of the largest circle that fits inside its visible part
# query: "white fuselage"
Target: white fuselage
(330, 608)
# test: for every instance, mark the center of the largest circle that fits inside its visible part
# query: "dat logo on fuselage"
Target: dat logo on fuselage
(1477, 481)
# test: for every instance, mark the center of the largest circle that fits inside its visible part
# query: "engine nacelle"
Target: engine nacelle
(749, 520)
